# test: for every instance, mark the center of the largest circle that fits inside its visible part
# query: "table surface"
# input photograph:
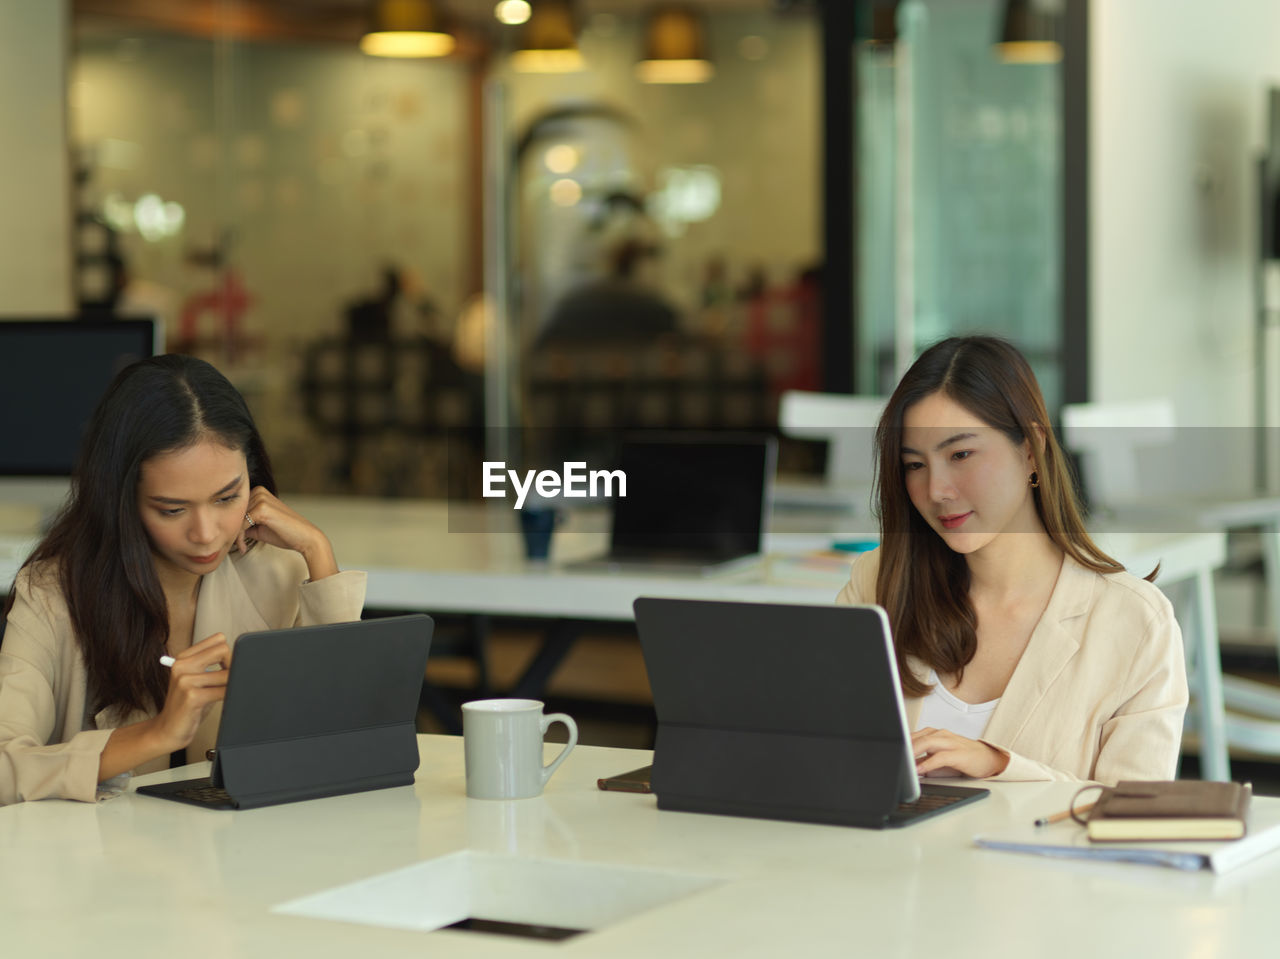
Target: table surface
(137, 876)
(468, 558)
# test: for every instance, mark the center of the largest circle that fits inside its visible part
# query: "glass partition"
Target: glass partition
(667, 236)
(309, 219)
(960, 185)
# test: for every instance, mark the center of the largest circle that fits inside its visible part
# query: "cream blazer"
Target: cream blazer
(1100, 691)
(49, 743)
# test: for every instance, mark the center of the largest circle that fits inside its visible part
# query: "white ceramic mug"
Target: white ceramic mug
(502, 742)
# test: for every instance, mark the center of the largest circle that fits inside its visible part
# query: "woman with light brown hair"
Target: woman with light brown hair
(1025, 651)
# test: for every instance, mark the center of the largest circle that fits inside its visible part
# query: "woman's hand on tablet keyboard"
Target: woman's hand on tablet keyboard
(937, 749)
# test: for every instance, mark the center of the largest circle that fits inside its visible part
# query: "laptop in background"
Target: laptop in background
(315, 711)
(696, 503)
(782, 712)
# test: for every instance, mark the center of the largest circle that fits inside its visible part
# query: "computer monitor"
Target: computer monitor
(704, 494)
(52, 374)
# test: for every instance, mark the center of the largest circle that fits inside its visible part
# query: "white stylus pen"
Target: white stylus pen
(169, 661)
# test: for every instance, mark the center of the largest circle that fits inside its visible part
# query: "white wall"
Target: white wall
(35, 178)
(1178, 121)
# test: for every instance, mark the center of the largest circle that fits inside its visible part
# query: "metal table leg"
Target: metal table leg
(1207, 681)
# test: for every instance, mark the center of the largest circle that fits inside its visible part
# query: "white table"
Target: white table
(466, 559)
(429, 555)
(141, 877)
(475, 560)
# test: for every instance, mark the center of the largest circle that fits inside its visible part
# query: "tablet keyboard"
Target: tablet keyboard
(934, 799)
(205, 795)
(198, 792)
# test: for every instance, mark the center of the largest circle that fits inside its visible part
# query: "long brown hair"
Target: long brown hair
(97, 547)
(922, 583)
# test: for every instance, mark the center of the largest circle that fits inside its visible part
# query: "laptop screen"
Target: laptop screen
(693, 494)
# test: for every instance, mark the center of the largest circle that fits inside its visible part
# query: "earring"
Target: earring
(1035, 480)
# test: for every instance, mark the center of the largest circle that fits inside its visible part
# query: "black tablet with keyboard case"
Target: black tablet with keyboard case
(315, 711)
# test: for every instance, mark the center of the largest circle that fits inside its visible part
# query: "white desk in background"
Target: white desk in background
(415, 562)
(419, 552)
(429, 556)
(470, 559)
(139, 877)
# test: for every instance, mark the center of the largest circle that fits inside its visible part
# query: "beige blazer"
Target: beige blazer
(1101, 688)
(50, 745)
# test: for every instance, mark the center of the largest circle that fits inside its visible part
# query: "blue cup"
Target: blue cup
(537, 524)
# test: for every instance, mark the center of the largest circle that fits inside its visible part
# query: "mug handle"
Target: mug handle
(547, 720)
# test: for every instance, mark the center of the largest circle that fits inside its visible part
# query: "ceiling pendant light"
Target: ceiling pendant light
(407, 28)
(675, 49)
(549, 41)
(512, 12)
(1028, 33)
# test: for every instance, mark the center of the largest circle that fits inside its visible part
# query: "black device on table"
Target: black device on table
(315, 711)
(697, 503)
(782, 712)
(636, 781)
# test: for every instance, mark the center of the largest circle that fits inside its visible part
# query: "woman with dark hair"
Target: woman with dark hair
(1025, 651)
(171, 542)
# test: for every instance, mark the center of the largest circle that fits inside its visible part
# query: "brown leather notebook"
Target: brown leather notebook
(1186, 809)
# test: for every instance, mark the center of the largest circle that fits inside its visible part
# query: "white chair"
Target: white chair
(847, 424)
(1107, 437)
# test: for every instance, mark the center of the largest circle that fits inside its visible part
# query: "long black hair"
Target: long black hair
(97, 546)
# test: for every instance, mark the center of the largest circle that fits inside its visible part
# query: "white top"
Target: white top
(941, 709)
